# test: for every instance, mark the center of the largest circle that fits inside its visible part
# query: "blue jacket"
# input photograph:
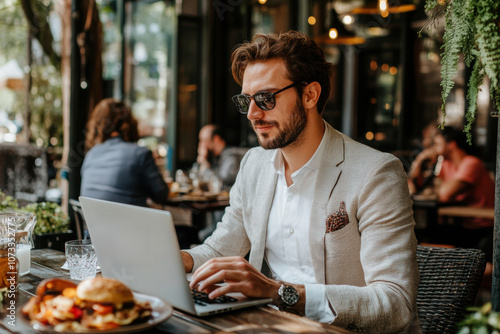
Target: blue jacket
(122, 172)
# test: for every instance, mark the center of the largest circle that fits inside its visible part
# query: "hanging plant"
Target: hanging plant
(471, 27)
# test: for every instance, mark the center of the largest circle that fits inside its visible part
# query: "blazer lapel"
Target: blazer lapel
(266, 184)
(328, 176)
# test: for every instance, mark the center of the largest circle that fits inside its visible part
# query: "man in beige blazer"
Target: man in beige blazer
(353, 255)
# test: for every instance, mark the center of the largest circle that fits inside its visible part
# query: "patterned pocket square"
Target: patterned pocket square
(338, 220)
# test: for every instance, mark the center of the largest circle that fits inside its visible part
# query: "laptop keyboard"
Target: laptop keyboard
(202, 299)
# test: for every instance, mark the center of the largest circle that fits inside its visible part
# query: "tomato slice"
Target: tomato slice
(77, 312)
(102, 309)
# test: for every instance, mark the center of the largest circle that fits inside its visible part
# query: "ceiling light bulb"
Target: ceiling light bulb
(311, 20)
(262, 2)
(333, 33)
(348, 19)
(383, 5)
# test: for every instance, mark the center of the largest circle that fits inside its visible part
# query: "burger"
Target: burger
(108, 303)
(98, 303)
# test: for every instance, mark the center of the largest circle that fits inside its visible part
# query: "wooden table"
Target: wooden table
(425, 213)
(46, 263)
(198, 208)
(467, 212)
(200, 205)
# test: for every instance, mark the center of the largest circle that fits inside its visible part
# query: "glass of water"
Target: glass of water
(81, 258)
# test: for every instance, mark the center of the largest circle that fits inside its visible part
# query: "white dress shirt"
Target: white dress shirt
(287, 243)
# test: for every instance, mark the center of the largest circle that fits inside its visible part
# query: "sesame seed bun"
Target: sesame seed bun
(104, 290)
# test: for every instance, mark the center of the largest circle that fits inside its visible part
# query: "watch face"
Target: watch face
(290, 296)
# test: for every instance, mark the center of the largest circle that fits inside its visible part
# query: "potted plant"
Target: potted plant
(481, 320)
(52, 227)
(471, 28)
(7, 203)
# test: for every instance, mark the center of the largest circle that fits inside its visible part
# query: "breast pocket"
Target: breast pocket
(342, 249)
(334, 237)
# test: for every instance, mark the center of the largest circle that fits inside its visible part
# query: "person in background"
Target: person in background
(215, 155)
(422, 170)
(465, 180)
(326, 221)
(216, 160)
(464, 177)
(115, 168)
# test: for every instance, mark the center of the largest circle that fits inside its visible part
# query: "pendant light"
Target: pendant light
(338, 34)
(384, 7)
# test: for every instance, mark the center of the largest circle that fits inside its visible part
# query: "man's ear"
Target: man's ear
(310, 95)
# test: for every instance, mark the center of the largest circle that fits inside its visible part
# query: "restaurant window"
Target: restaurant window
(380, 98)
(271, 16)
(112, 48)
(148, 36)
(317, 25)
(138, 54)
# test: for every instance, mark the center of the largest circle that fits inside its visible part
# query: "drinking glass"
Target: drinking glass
(215, 185)
(8, 261)
(81, 258)
(24, 222)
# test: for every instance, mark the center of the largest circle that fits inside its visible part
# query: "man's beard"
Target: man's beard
(290, 132)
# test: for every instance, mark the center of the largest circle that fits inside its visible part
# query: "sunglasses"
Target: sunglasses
(264, 100)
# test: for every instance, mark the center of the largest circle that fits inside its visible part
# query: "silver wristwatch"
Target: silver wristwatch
(288, 295)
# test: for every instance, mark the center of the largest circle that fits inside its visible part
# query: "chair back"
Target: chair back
(81, 226)
(449, 281)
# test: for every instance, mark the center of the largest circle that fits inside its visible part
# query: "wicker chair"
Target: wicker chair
(449, 281)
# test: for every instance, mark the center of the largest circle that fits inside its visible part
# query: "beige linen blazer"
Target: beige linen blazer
(368, 264)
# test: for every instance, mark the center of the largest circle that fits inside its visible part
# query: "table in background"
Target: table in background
(46, 263)
(198, 208)
(466, 212)
(425, 212)
(429, 213)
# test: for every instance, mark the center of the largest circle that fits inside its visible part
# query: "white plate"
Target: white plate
(161, 312)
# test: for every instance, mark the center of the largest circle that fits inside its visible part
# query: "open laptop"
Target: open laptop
(139, 247)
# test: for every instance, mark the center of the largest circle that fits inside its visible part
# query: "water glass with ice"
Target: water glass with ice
(81, 258)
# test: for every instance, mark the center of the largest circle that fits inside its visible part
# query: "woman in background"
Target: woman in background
(115, 168)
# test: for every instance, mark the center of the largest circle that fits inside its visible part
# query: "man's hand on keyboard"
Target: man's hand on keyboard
(239, 276)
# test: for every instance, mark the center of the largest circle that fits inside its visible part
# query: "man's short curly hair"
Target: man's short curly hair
(303, 58)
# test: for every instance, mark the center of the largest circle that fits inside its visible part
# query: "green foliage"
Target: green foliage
(488, 37)
(481, 320)
(14, 32)
(475, 80)
(471, 28)
(7, 202)
(45, 98)
(49, 216)
(46, 104)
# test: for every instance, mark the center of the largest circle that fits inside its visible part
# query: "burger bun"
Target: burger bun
(104, 290)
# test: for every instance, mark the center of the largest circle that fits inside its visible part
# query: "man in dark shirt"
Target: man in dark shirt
(215, 155)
